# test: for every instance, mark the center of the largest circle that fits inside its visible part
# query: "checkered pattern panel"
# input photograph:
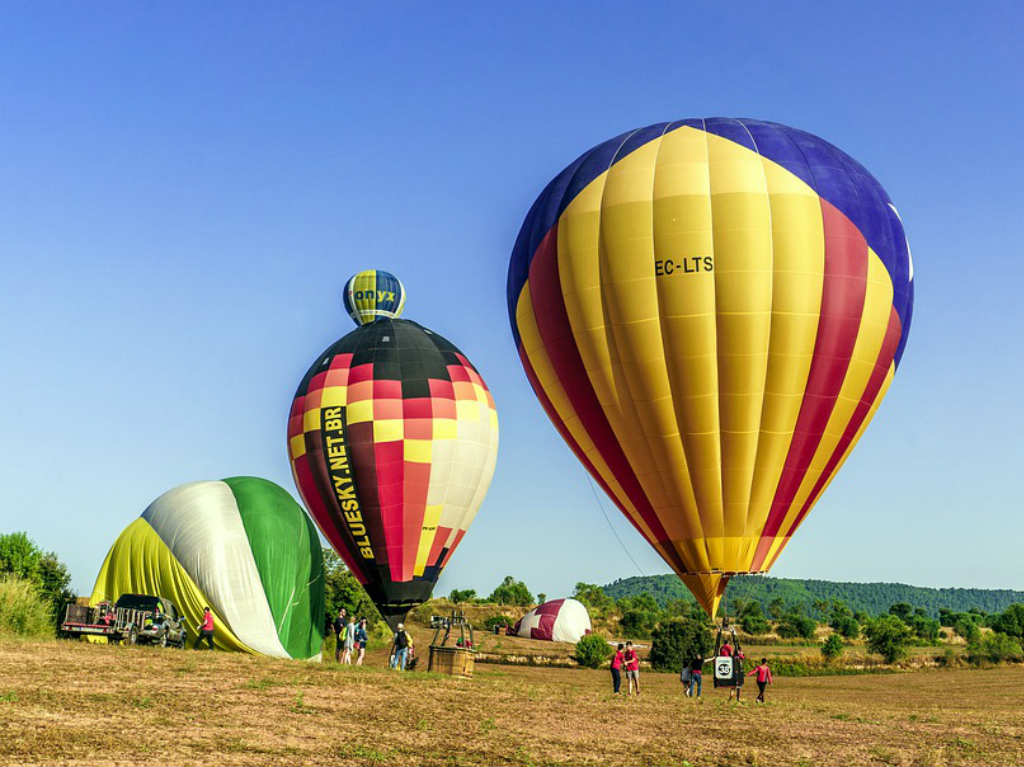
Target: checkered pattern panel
(393, 439)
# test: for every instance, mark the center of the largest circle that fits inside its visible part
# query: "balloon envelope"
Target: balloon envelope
(393, 438)
(710, 312)
(241, 546)
(560, 620)
(372, 294)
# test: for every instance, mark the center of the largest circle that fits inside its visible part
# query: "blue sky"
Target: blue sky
(184, 190)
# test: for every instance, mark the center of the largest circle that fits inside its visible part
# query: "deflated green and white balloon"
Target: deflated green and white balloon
(241, 546)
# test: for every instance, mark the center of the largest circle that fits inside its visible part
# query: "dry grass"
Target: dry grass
(69, 702)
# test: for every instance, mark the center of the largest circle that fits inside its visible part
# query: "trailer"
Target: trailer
(133, 619)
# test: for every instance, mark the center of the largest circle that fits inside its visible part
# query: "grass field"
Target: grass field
(71, 702)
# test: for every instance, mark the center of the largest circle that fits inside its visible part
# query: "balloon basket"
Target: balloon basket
(452, 661)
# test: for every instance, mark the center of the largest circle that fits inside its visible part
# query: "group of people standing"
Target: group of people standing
(626, 659)
(350, 636)
(692, 675)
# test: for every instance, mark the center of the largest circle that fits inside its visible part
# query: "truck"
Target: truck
(132, 619)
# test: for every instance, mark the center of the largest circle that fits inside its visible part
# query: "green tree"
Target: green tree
(832, 647)
(964, 624)
(889, 637)
(776, 608)
(1010, 621)
(461, 595)
(924, 628)
(994, 648)
(511, 592)
(901, 610)
(21, 558)
(593, 597)
(637, 623)
(793, 625)
(341, 589)
(755, 624)
(676, 640)
(541, 597)
(592, 650)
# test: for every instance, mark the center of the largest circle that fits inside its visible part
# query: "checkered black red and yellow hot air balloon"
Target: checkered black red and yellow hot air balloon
(710, 311)
(393, 438)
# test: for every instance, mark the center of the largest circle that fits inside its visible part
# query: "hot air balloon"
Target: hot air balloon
(372, 294)
(710, 311)
(393, 438)
(560, 620)
(241, 546)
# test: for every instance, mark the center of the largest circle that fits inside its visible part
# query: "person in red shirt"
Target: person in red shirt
(764, 678)
(617, 670)
(632, 662)
(205, 630)
(726, 649)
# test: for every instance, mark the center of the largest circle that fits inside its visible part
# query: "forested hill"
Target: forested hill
(872, 598)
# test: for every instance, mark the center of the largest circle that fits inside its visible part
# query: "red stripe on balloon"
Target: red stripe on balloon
(569, 440)
(451, 549)
(306, 484)
(440, 537)
(882, 364)
(560, 345)
(842, 304)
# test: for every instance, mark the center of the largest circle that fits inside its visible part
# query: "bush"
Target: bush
(755, 624)
(592, 650)
(994, 648)
(23, 611)
(1011, 621)
(888, 636)
(461, 595)
(677, 640)
(832, 647)
(511, 592)
(965, 626)
(847, 627)
(794, 625)
(496, 620)
(637, 623)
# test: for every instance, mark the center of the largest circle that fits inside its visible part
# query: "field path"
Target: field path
(76, 703)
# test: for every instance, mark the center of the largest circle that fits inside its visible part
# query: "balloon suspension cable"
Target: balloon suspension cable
(590, 482)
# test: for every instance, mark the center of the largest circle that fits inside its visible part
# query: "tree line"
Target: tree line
(870, 598)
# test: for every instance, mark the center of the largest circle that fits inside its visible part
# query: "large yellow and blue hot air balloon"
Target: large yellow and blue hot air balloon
(710, 311)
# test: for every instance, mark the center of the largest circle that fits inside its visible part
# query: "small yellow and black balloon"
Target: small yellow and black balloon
(373, 294)
(393, 438)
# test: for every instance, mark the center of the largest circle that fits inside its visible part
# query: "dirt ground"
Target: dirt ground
(75, 703)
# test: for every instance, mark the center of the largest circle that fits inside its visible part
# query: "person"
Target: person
(348, 636)
(632, 662)
(338, 624)
(737, 675)
(696, 674)
(684, 677)
(617, 670)
(764, 678)
(401, 643)
(726, 649)
(205, 630)
(361, 640)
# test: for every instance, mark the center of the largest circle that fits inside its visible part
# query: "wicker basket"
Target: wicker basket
(454, 661)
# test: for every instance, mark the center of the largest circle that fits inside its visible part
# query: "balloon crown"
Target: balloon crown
(373, 294)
